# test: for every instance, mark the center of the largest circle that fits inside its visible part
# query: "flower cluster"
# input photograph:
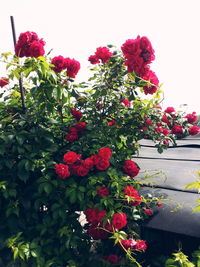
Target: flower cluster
(75, 131)
(4, 81)
(102, 53)
(79, 167)
(130, 168)
(134, 244)
(138, 54)
(71, 66)
(29, 45)
(132, 196)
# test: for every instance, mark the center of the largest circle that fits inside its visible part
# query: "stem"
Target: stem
(20, 79)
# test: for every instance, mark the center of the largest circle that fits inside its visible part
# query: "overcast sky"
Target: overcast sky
(74, 28)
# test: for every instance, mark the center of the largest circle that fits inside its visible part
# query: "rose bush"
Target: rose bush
(69, 193)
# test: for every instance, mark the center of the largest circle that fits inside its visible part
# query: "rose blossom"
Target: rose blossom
(103, 192)
(93, 59)
(165, 131)
(80, 170)
(159, 204)
(165, 119)
(103, 53)
(76, 114)
(102, 164)
(169, 110)
(119, 220)
(177, 130)
(105, 152)
(3, 81)
(193, 130)
(88, 163)
(130, 168)
(126, 102)
(131, 192)
(80, 126)
(140, 245)
(59, 63)
(112, 122)
(72, 66)
(128, 243)
(112, 258)
(191, 118)
(97, 233)
(149, 212)
(71, 157)
(71, 137)
(94, 216)
(62, 170)
(152, 78)
(148, 122)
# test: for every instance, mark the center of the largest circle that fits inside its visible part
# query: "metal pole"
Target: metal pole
(20, 80)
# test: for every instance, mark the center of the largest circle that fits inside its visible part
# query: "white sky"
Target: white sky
(74, 28)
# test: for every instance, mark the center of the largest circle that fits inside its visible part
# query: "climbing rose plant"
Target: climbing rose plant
(70, 195)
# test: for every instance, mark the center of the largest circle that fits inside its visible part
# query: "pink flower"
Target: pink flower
(103, 53)
(128, 243)
(62, 170)
(72, 66)
(3, 81)
(191, 118)
(194, 130)
(140, 245)
(119, 220)
(93, 59)
(130, 168)
(103, 192)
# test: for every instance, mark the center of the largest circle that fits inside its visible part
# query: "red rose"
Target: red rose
(71, 137)
(191, 118)
(76, 114)
(177, 130)
(71, 157)
(159, 204)
(97, 233)
(59, 63)
(131, 48)
(80, 126)
(194, 130)
(149, 212)
(126, 102)
(119, 220)
(110, 123)
(131, 192)
(88, 163)
(73, 130)
(103, 53)
(102, 164)
(62, 170)
(94, 59)
(80, 170)
(158, 129)
(169, 110)
(148, 122)
(3, 81)
(73, 66)
(165, 119)
(147, 51)
(165, 131)
(152, 78)
(112, 258)
(105, 152)
(165, 142)
(36, 49)
(94, 216)
(103, 192)
(128, 243)
(130, 168)
(140, 245)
